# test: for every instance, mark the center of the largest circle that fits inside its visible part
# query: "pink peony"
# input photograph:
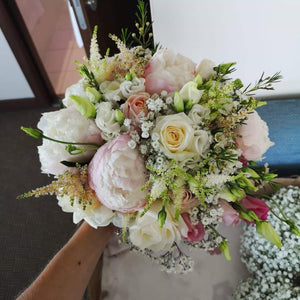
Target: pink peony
(188, 201)
(168, 71)
(117, 173)
(230, 215)
(258, 206)
(135, 105)
(255, 137)
(195, 232)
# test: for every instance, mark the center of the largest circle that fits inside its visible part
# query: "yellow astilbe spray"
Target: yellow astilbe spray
(73, 185)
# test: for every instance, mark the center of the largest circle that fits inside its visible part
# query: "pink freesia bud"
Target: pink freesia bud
(195, 232)
(258, 206)
(230, 216)
(135, 106)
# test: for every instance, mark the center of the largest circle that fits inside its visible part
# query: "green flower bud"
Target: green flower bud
(295, 230)
(268, 176)
(238, 84)
(198, 80)
(130, 75)
(119, 116)
(188, 105)
(227, 195)
(193, 183)
(253, 215)
(93, 94)
(225, 250)
(178, 103)
(84, 106)
(251, 172)
(266, 230)
(162, 215)
(35, 133)
(245, 216)
(246, 183)
(237, 192)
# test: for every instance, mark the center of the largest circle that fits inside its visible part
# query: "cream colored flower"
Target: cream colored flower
(190, 92)
(111, 90)
(206, 69)
(176, 136)
(198, 114)
(147, 233)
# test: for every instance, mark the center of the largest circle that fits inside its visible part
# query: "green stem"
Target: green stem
(215, 230)
(69, 143)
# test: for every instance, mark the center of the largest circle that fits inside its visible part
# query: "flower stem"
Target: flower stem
(69, 143)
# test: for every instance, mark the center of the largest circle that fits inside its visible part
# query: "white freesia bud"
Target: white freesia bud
(199, 114)
(106, 121)
(111, 90)
(132, 87)
(190, 92)
(147, 233)
(206, 69)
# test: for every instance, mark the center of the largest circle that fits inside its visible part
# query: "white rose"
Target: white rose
(176, 136)
(135, 86)
(206, 69)
(97, 216)
(70, 126)
(198, 114)
(147, 233)
(105, 120)
(75, 89)
(190, 92)
(111, 90)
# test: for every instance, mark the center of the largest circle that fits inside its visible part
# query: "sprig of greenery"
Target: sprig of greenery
(264, 83)
(87, 75)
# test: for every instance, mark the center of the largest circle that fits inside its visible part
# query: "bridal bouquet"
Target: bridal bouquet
(159, 146)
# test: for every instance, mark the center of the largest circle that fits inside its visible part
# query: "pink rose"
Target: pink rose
(230, 216)
(135, 105)
(168, 71)
(255, 137)
(258, 206)
(195, 232)
(116, 174)
(188, 201)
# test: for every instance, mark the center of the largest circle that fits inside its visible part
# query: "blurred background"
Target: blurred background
(39, 41)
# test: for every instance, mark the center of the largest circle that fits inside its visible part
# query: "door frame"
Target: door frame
(22, 46)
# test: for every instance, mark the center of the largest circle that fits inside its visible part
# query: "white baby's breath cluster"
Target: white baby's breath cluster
(275, 272)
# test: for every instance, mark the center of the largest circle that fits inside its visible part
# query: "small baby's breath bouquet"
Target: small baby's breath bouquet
(159, 146)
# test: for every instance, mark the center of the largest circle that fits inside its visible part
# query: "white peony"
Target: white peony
(105, 120)
(98, 216)
(206, 69)
(147, 233)
(135, 86)
(117, 174)
(70, 126)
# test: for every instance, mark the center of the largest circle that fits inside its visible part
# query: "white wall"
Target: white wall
(259, 35)
(13, 83)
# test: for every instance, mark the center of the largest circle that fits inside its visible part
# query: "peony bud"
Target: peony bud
(84, 106)
(266, 230)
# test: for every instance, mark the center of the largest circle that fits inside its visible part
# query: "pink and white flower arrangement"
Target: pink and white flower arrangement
(160, 147)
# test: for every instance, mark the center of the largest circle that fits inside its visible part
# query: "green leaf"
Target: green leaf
(266, 230)
(84, 106)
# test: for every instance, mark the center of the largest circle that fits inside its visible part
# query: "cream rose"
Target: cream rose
(105, 120)
(206, 69)
(147, 233)
(111, 90)
(176, 136)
